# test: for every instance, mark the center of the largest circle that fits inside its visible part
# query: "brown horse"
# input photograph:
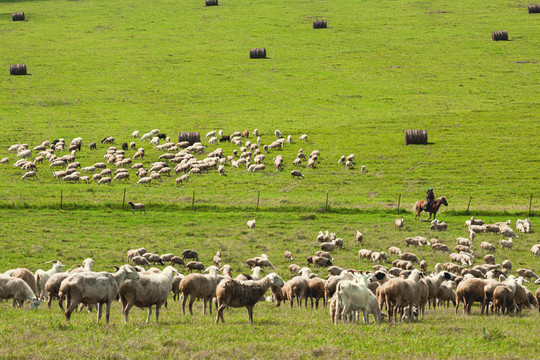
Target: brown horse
(419, 207)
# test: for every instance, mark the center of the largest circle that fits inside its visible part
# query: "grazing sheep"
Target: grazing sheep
(139, 260)
(288, 255)
(105, 180)
(437, 225)
(506, 244)
(18, 290)
(153, 258)
(297, 288)
(29, 174)
(147, 291)
(526, 273)
(477, 228)
(417, 241)
(353, 297)
(487, 246)
(489, 259)
(364, 254)
(52, 288)
(319, 261)
(394, 250)
(28, 277)
(399, 223)
(298, 174)
(138, 206)
(409, 257)
(506, 231)
(190, 254)
(42, 276)
(199, 286)
(398, 293)
(94, 288)
(440, 247)
(259, 261)
(507, 264)
(177, 260)
(235, 293)
(195, 265)
(535, 250)
(143, 180)
(294, 269)
(251, 224)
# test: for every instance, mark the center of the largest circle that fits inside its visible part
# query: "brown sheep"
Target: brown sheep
(297, 288)
(409, 257)
(195, 265)
(319, 261)
(489, 259)
(440, 247)
(503, 299)
(487, 247)
(446, 294)
(469, 291)
(316, 291)
(538, 298)
(198, 286)
(294, 269)
(507, 264)
(526, 273)
(398, 293)
(27, 276)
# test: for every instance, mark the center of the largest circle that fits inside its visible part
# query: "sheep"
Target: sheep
(437, 225)
(440, 247)
(465, 242)
(354, 296)
(417, 241)
(297, 288)
(28, 277)
(177, 260)
(335, 270)
(256, 274)
(278, 134)
(535, 250)
(423, 265)
(506, 244)
(319, 261)
(199, 286)
(235, 293)
(136, 206)
(477, 228)
(526, 273)
(105, 180)
(190, 254)
(399, 223)
(489, 259)
(148, 290)
(153, 258)
(297, 174)
(463, 248)
(52, 288)
(122, 175)
(293, 268)
(364, 254)
(259, 261)
(94, 288)
(195, 265)
(409, 257)
(487, 246)
(139, 260)
(251, 224)
(468, 291)
(18, 290)
(446, 293)
(397, 293)
(42, 276)
(288, 255)
(394, 250)
(328, 246)
(29, 174)
(144, 180)
(506, 231)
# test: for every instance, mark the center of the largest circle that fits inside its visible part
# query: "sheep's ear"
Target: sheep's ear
(116, 267)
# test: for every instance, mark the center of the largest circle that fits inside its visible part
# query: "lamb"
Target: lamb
(468, 291)
(42, 277)
(251, 224)
(526, 273)
(506, 244)
(487, 246)
(27, 276)
(199, 286)
(399, 223)
(298, 174)
(235, 293)
(148, 290)
(394, 250)
(18, 290)
(136, 206)
(94, 288)
(195, 265)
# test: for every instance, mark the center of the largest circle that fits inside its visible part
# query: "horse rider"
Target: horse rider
(430, 197)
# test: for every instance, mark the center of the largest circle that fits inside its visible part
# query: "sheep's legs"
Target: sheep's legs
(220, 314)
(250, 313)
(150, 313)
(184, 299)
(99, 311)
(191, 301)
(126, 310)
(108, 311)
(157, 312)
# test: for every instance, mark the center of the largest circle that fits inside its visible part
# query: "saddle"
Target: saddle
(427, 206)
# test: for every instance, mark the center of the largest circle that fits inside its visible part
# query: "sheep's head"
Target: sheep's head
(212, 269)
(276, 280)
(131, 273)
(34, 303)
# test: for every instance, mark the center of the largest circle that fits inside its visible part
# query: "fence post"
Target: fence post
(530, 206)
(398, 203)
(61, 198)
(469, 205)
(258, 196)
(193, 201)
(124, 199)
(326, 207)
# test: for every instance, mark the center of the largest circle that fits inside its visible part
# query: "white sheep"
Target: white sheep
(506, 244)
(42, 276)
(148, 290)
(105, 180)
(144, 180)
(278, 134)
(251, 224)
(535, 250)
(506, 231)
(18, 290)
(303, 137)
(399, 223)
(29, 174)
(199, 286)
(94, 288)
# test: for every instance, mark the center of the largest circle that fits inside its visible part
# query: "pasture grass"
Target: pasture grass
(101, 69)
(32, 237)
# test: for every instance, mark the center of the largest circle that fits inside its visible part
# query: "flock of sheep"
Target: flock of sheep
(179, 158)
(402, 290)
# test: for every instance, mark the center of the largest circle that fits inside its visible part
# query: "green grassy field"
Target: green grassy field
(102, 69)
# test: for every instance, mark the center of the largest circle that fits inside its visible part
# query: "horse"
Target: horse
(419, 207)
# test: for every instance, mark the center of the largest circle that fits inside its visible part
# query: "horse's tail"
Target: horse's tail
(414, 207)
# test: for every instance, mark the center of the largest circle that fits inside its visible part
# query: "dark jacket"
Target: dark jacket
(430, 196)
